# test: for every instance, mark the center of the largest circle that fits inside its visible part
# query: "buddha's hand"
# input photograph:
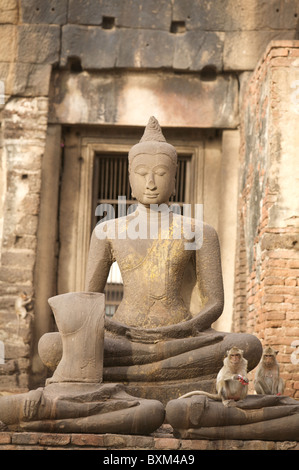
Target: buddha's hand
(31, 404)
(154, 335)
(147, 335)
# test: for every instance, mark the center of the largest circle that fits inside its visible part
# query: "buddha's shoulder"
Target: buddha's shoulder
(195, 224)
(110, 228)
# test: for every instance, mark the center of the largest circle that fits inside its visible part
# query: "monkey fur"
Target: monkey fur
(267, 379)
(23, 307)
(231, 381)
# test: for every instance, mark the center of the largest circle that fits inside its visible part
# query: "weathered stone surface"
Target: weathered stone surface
(151, 14)
(9, 11)
(31, 79)
(39, 11)
(90, 12)
(74, 398)
(96, 48)
(195, 50)
(242, 49)
(38, 43)
(234, 15)
(179, 100)
(100, 49)
(265, 417)
(162, 439)
(7, 43)
(268, 200)
(206, 15)
(148, 14)
(145, 49)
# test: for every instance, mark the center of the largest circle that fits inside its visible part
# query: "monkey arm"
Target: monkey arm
(259, 388)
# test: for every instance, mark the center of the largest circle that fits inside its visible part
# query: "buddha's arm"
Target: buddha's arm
(209, 276)
(98, 264)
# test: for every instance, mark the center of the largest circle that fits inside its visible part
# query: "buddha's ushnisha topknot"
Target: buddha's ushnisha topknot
(153, 142)
(153, 131)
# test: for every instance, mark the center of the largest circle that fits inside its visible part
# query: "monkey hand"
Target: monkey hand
(242, 380)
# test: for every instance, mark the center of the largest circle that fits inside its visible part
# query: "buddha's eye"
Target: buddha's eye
(141, 171)
(160, 172)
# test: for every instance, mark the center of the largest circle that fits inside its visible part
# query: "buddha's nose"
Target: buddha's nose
(150, 182)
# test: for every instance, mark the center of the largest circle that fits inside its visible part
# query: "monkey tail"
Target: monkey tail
(214, 396)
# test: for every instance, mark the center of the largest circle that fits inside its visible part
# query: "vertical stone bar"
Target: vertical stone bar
(46, 256)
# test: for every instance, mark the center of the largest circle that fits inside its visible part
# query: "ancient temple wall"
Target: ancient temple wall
(267, 281)
(200, 50)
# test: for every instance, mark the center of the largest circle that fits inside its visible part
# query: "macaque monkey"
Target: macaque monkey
(231, 382)
(23, 306)
(267, 380)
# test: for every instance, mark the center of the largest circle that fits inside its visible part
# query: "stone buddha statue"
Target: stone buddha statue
(116, 375)
(156, 343)
(154, 336)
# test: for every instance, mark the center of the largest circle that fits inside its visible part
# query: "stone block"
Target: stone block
(55, 439)
(100, 49)
(5, 438)
(181, 99)
(30, 204)
(243, 49)
(38, 44)
(235, 15)
(96, 48)
(27, 225)
(151, 14)
(22, 258)
(15, 275)
(207, 15)
(90, 440)
(39, 11)
(145, 49)
(195, 50)
(25, 438)
(31, 79)
(26, 159)
(6, 72)
(86, 12)
(167, 443)
(140, 48)
(8, 11)
(148, 14)
(7, 43)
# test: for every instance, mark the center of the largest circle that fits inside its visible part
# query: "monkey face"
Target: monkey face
(235, 358)
(269, 359)
(269, 356)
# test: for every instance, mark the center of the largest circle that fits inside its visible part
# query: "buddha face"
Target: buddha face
(152, 178)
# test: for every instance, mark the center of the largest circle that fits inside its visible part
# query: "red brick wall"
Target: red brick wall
(267, 270)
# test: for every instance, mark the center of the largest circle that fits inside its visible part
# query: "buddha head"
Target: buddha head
(152, 167)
